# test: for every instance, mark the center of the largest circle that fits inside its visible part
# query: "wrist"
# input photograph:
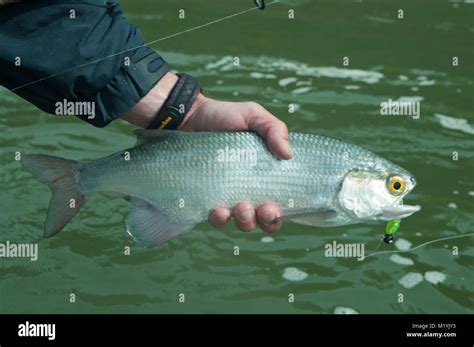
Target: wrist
(200, 100)
(143, 113)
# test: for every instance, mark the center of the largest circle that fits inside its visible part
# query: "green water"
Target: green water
(282, 61)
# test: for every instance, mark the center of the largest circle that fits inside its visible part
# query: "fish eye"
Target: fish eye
(396, 185)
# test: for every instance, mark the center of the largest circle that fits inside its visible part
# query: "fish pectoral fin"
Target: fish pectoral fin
(310, 217)
(147, 135)
(150, 226)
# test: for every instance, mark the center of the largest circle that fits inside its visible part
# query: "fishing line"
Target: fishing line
(422, 245)
(143, 45)
(380, 243)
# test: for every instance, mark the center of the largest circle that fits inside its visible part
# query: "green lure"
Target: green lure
(390, 229)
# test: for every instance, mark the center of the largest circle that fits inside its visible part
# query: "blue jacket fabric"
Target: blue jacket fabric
(51, 51)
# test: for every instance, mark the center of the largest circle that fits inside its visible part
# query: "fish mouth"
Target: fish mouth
(397, 212)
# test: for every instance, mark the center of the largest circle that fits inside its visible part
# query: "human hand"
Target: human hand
(212, 115)
(208, 114)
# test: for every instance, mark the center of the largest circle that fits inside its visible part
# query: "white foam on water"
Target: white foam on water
(402, 244)
(471, 193)
(411, 279)
(452, 205)
(259, 75)
(455, 192)
(301, 90)
(303, 83)
(369, 77)
(228, 67)
(453, 123)
(415, 89)
(224, 61)
(435, 277)
(398, 259)
(418, 234)
(294, 274)
(286, 81)
(351, 87)
(344, 310)
(403, 78)
(409, 99)
(302, 69)
(379, 19)
(268, 64)
(427, 83)
(267, 239)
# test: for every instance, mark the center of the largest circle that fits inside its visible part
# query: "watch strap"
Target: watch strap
(178, 103)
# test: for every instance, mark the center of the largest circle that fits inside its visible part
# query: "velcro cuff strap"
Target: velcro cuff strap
(148, 71)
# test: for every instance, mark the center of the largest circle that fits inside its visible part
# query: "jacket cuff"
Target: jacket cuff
(127, 88)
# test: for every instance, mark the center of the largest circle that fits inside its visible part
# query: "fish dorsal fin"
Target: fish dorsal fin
(150, 226)
(147, 135)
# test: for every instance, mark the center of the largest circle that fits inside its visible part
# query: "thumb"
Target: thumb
(273, 130)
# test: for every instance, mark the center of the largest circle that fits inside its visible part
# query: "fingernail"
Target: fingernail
(245, 216)
(287, 148)
(268, 218)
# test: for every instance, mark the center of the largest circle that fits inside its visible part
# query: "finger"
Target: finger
(273, 130)
(244, 215)
(219, 217)
(266, 214)
(277, 140)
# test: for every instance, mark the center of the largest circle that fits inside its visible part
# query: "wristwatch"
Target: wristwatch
(178, 103)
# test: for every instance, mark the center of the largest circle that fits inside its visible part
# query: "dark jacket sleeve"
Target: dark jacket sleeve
(92, 57)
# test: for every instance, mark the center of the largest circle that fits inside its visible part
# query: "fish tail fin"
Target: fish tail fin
(60, 175)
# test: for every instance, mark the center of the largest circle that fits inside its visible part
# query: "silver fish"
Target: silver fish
(173, 180)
